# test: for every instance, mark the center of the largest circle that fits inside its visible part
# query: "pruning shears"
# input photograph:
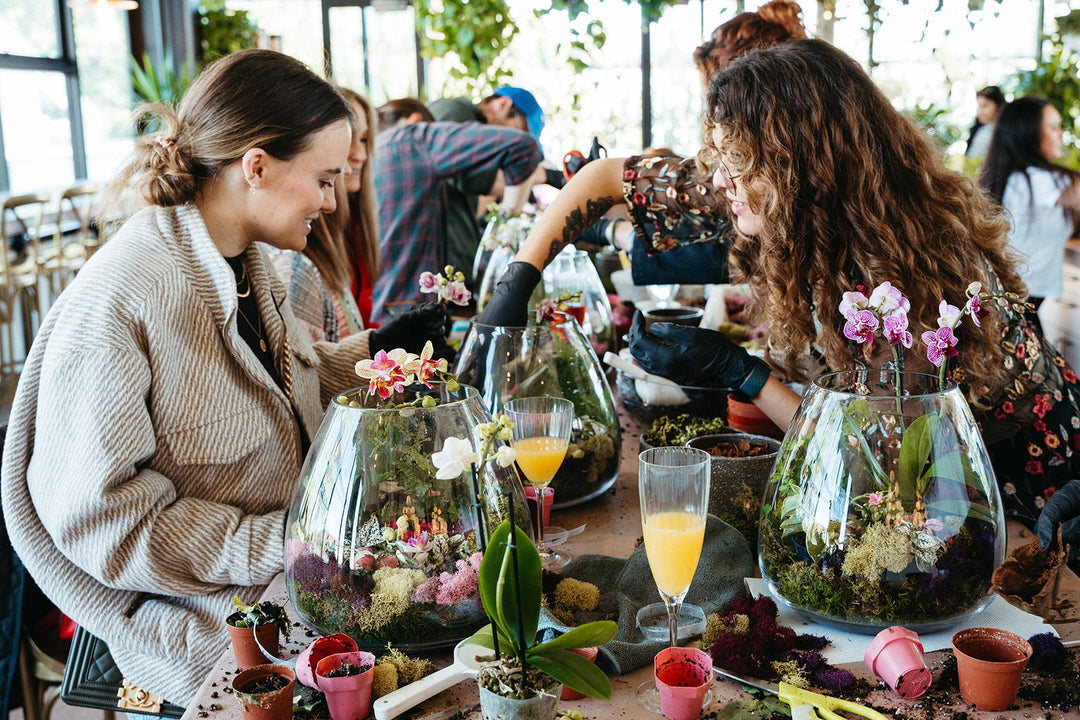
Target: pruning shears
(807, 705)
(574, 160)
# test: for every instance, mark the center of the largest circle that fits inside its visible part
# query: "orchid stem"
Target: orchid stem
(512, 547)
(481, 532)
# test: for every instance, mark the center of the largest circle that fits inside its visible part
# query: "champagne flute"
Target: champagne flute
(541, 436)
(673, 489)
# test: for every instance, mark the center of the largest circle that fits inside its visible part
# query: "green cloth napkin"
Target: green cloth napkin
(626, 585)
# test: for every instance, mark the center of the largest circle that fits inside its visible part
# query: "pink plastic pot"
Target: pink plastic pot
(589, 654)
(348, 698)
(683, 677)
(896, 656)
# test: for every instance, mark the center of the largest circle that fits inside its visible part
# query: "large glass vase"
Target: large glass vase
(572, 270)
(377, 546)
(551, 359)
(882, 508)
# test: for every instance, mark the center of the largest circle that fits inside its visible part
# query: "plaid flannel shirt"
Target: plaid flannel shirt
(411, 161)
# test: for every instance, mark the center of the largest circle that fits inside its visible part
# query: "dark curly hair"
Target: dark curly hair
(772, 23)
(851, 192)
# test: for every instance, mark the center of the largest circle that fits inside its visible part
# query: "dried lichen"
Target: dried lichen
(409, 669)
(879, 549)
(792, 672)
(575, 595)
(384, 679)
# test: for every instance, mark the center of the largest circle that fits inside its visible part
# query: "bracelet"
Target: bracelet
(755, 379)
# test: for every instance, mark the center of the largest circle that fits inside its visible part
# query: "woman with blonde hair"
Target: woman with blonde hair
(166, 405)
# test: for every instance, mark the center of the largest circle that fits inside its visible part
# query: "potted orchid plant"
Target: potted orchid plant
(383, 540)
(882, 508)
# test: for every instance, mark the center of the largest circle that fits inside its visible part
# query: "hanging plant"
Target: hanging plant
(473, 32)
(223, 31)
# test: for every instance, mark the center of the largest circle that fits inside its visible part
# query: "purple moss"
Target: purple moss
(812, 661)
(833, 678)
(811, 642)
(1047, 652)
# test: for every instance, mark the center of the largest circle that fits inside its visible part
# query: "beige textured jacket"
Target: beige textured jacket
(150, 457)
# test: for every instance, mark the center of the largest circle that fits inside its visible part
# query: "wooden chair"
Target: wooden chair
(22, 215)
(74, 238)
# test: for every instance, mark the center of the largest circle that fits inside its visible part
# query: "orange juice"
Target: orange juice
(540, 457)
(673, 545)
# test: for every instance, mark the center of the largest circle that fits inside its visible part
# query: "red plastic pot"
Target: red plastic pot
(589, 654)
(748, 418)
(990, 662)
(896, 656)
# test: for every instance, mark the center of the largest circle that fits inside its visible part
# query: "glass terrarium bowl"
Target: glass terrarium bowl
(647, 400)
(376, 545)
(882, 508)
(572, 270)
(551, 359)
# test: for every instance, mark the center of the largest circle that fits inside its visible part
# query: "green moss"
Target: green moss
(677, 429)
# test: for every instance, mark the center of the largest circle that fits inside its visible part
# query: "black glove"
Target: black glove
(412, 328)
(509, 303)
(695, 356)
(1062, 508)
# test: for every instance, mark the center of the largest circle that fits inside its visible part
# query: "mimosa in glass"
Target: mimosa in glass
(542, 428)
(673, 489)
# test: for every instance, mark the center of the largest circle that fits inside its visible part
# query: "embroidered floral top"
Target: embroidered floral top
(1032, 428)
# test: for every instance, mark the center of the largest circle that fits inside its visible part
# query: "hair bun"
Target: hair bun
(784, 13)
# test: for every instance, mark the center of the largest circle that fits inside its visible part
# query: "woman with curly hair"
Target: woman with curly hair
(771, 24)
(833, 189)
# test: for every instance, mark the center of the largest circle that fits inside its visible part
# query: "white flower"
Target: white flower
(456, 457)
(505, 456)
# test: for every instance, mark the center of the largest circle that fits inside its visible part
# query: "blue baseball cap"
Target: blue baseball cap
(525, 102)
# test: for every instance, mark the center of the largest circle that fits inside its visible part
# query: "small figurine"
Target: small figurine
(408, 525)
(438, 523)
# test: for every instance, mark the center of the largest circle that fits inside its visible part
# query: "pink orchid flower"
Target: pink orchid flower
(888, 300)
(427, 367)
(429, 282)
(896, 330)
(456, 292)
(875, 498)
(384, 372)
(940, 344)
(860, 326)
(975, 308)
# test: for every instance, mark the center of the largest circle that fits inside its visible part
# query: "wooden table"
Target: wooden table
(613, 524)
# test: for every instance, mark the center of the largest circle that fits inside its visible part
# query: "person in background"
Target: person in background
(803, 243)
(989, 101)
(403, 111)
(411, 162)
(643, 186)
(331, 281)
(165, 407)
(510, 107)
(1041, 197)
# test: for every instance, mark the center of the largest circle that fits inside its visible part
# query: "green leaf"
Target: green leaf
(961, 508)
(949, 466)
(914, 452)
(587, 635)
(575, 672)
(499, 592)
(879, 476)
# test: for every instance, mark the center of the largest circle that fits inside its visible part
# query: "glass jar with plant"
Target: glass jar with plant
(882, 508)
(385, 531)
(551, 357)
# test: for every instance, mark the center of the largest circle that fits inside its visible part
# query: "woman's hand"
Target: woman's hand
(412, 328)
(509, 303)
(1063, 508)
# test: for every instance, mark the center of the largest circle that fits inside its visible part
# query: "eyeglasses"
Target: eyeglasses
(725, 172)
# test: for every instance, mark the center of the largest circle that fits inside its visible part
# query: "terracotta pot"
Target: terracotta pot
(245, 649)
(589, 654)
(896, 656)
(538, 707)
(748, 418)
(990, 662)
(273, 705)
(348, 698)
(683, 677)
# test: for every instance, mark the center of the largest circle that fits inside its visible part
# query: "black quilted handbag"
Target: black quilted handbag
(91, 679)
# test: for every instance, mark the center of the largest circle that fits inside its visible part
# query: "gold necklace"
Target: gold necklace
(257, 330)
(243, 279)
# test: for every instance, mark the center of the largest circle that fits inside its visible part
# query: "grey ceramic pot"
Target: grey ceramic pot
(729, 473)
